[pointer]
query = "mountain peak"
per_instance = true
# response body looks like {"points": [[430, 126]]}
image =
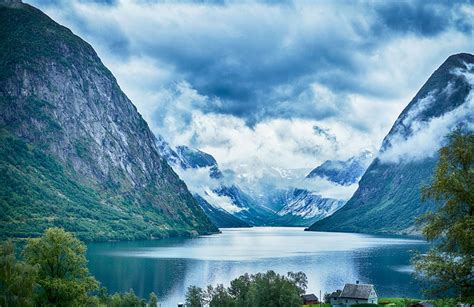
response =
{"points": [[80, 143], [458, 59], [12, 3], [388, 199]]}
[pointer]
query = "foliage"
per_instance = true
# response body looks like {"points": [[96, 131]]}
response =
{"points": [[127, 299], [63, 275], [261, 289], [17, 279], [37, 192], [448, 265], [55, 274], [153, 300], [397, 301], [449, 302], [194, 296], [219, 296]]}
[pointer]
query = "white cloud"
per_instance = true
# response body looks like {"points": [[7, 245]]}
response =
{"points": [[426, 138], [298, 65]]}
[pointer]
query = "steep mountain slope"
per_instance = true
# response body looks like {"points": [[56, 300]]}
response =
{"points": [[225, 205], [248, 210], [343, 172], [194, 158], [303, 208], [74, 151], [388, 197], [219, 216]]}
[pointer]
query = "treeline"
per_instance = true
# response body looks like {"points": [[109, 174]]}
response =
{"points": [[261, 289], [53, 271]]}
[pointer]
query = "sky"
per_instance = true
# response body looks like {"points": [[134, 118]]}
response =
{"points": [[269, 86]]}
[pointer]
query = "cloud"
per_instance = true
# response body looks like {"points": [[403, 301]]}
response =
{"points": [[426, 137], [248, 81], [266, 60]]}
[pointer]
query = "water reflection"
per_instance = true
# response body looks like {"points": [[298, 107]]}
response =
{"points": [[168, 267]]}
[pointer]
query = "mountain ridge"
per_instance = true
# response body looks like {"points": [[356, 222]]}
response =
{"points": [[388, 199], [66, 114]]}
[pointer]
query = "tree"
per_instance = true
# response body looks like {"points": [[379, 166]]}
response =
{"points": [[272, 289], [219, 297], [449, 264], [300, 280], [63, 275], [153, 299], [17, 279], [194, 297], [239, 288], [127, 299]]}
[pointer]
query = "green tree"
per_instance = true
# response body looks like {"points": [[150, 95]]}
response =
{"points": [[272, 289], [219, 297], [127, 299], [239, 288], [63, 275], [194, 296], [153, 299], [17, 279], [449, 264]]}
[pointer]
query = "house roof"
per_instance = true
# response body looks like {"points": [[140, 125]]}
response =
{"points": [[357, 291], [335, 294], [309, 297]]}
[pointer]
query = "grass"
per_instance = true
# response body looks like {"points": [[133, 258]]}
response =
{"points": [[397, 301]]}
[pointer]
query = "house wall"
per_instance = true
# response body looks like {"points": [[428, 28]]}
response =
{"points": [[350, 302], [373, 298]]}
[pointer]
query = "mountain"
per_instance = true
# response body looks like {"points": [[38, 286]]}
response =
{"points": [[343, 172], [220, 217], [248, 211], [225, 205], [388, 198], [303, 207], [194, 158], [74, 151]]}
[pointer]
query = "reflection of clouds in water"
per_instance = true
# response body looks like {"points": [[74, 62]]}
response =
{"points": [[329, 260], [403, 269], [263, 243]]}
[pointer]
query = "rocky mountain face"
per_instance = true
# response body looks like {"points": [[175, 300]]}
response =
{"points": [[224, 203], [248, 210], [343, 172], [219, 216], [388, 199], [302, 207], [194, 158], [74, 151]]}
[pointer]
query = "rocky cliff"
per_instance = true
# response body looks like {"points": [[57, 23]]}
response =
{"points": [[75, 152]]}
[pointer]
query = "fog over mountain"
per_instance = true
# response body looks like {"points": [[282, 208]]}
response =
{"points": [[265, 86]]}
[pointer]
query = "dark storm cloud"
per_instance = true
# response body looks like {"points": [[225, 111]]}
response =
{"points": [[262, 62], [424, 18]]}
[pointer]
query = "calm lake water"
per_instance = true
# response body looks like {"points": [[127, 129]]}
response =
{"points": [[169, 266]]}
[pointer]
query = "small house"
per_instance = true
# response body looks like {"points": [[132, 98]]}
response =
{"points": [[333, 298], [356, 294], [309, 299]]}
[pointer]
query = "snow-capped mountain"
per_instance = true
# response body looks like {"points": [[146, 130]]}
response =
{"points": [[303, 207], [343, 172], [225, 204], [194, 158]]}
